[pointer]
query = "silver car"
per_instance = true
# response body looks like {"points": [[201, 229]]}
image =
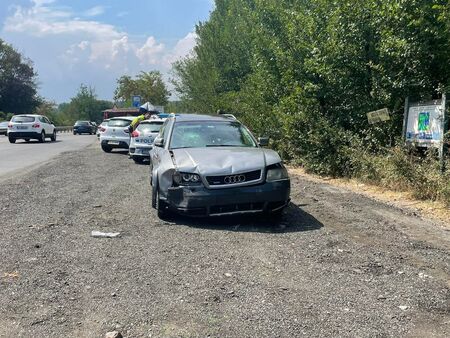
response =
{"points": [[212, 166], [142, 139]]}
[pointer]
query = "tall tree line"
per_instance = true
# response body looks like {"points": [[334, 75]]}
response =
{"points": [[306, 72]]}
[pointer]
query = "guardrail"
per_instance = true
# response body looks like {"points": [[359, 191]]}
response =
{"points": [[64, 129]]}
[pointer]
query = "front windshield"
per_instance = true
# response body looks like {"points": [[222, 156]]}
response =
{"points": [[201, 134]]}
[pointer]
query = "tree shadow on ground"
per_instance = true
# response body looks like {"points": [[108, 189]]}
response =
{"points": [[294, 219]]}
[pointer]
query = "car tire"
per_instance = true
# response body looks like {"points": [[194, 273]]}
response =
{"points": [[42, 138], [161, 207], [53, 137], [11, 139], [27, 140], [106, 149]]}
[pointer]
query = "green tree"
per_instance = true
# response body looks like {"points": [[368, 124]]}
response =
{"points": [[17, 81], [85, 106], [149, 85]]}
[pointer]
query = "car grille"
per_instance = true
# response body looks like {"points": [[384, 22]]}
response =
{"points": [[229, 208], [235, 178]]}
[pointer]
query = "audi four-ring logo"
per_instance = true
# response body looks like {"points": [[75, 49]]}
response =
{"points": [[234, 179]]}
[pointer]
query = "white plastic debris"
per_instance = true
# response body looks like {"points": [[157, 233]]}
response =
{"points": [[100, 234]]}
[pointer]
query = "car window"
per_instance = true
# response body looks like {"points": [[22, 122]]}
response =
{"points": [[82, 123], [22, 119], [47, 120], [150, 127], [119, 123], [200, 134], [163, 129]]}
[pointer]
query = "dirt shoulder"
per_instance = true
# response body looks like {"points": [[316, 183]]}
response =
{"points": [[401, 200], [337, 264]]}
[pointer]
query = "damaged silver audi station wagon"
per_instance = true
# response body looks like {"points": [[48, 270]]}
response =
{"points": [[211, 166]]}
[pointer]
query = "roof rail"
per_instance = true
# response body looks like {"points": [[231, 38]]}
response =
{"points": [[230, 116]]}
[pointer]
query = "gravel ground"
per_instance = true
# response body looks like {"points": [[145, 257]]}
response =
{"points": [[338, 264]]}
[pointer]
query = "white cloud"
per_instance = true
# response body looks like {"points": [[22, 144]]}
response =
{"points": [[150, 52], [94, 11], [182, 48]]}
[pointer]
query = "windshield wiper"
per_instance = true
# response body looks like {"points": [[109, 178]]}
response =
{"points": [[224, 145]]}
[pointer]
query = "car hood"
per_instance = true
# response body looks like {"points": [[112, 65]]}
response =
{"points": [[223, 160]]}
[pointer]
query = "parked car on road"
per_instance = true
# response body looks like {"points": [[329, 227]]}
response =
{"points": [[84, 127], [102, 127], [31, 127], [116, 134], [4, 128], [142, 139], [211, 166]]}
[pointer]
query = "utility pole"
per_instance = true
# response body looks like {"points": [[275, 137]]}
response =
{"points": [[443, 131]]}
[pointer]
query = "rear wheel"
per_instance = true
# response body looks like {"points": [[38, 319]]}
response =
{"points": [[42, 138], [11, 139], [53, 137], [106, 149], [27, 140]]}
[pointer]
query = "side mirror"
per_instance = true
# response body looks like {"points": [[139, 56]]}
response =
{"points": [[263, 141], [159, 142]]}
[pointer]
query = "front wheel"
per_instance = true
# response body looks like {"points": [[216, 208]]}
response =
{"points": [[138, 159], [161, 207], [11, 139], [53, 137]]}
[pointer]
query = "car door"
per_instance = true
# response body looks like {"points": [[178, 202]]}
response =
{"points": [[45, 125], [50, 125]]}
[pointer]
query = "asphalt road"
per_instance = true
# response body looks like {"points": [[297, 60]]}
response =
{"points": [[14, 158], [337, 265]]}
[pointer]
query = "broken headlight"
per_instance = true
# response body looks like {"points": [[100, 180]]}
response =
{"points": [[276, 172], [181, 178]]}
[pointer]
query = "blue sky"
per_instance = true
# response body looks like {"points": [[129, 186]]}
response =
{"points": [[94, 42]]}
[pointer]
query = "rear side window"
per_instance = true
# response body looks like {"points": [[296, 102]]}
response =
{"points": [[22, 119], [119, 123], [152, 127], [81, 123]]}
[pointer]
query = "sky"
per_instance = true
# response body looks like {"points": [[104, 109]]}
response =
{"points": [[74, 42]]}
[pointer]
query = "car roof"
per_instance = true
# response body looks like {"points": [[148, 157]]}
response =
{"points": [[198, 117], [154, 120], [131, 118], [34, 115]]}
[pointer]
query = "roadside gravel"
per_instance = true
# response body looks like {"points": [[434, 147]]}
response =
{"points": [[338, 264]]}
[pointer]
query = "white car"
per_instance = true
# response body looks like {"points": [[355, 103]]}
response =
{"points": [[30, 126], [116, 134], [142, 139]]}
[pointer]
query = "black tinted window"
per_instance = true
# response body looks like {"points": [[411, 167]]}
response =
{"points": [[22, 119], [152, 127], [81, 123], [119, 123]]}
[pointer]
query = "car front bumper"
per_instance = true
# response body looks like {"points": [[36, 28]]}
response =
{"points": [[200, 201]]}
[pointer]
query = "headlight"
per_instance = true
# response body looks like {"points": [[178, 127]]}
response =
{"points": [[276, 172], [186, 178]]}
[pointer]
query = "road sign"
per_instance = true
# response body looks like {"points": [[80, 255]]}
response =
{"points": [[378, 116], [136, 100]]}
